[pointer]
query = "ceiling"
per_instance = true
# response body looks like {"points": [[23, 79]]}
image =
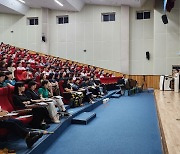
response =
{"points": [[69, 5], [52, 5]]}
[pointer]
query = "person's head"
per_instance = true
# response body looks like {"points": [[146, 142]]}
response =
{"points": [[2, 64], [51, 76], [42, 76], [45, 84], [57, 76], [28, 64], [19, 64], [77, 81], [9, 75], [19, 88], [10, 64], [32, 85], [2, 76]]}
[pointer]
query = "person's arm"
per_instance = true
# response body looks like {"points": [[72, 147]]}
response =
{"points": [[18, 103]]}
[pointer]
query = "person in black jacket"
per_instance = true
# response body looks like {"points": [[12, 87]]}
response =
{"points": [[18, 128], [21, 101], [35, 98]]}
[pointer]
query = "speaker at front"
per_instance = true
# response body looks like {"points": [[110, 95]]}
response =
{"points": [[147, 55], [165, 19]]}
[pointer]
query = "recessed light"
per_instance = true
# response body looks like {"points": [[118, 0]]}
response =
{"points": [[22, 1], [58, 2]]}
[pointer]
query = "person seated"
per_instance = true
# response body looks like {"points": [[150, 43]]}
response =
{"points": [[95, 89], [18, 128], [31, 60], [19, 66], [88, 97], [2, 80], [22, 102], [45, 93], [28, 66], [35, 98], [27, 76], [3, 66], [54, 84], [11, 68], [76, 94], [9, 79]]}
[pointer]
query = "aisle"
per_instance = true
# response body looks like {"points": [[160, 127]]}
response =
{"points": [[127, 125]]}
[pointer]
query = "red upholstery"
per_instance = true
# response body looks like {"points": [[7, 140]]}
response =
{"points": [[18, 74], [6, 105], [109, 80], [65, 101]]}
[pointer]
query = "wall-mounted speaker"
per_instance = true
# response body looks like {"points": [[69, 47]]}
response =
{"points": [[165, 19], [147, 55], [43, 38]]}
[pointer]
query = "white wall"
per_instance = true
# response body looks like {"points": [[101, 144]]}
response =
{"points": [[162, 41], [141, 40], [166, 40], [85, 31], [102, 40], [23, 35]]}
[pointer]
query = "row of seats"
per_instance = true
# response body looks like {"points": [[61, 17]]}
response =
{"points": [[7, 104]]}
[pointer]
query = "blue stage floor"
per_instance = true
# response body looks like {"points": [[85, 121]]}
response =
{"points": [[127, 125]]}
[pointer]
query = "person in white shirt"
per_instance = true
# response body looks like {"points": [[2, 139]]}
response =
{"points": [[19, 66]]}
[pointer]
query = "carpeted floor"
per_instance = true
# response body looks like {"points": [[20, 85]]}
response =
{"points": [[127, 125]]}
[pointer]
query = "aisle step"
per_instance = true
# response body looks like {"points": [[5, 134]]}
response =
{"points": [[84, 118]]}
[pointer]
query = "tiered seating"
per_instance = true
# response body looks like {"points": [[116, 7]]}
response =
{"points": [[40, 61]]}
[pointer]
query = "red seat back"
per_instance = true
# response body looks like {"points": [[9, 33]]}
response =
{"points": [[18, 74], [4, 103]]}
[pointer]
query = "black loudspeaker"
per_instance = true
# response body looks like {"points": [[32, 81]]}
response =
{"points": [[43, 38], [165, 19], [147, 55]]}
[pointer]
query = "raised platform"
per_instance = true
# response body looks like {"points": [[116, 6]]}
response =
{"points": [[84, 118]]}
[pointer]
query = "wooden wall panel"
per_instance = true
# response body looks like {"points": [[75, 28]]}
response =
{"points": [[152, 81]]}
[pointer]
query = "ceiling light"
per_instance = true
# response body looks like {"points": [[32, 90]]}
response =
{"points": [[22, 1], [58, 2]]}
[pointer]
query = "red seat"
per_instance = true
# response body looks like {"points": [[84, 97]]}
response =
{"points": [[66, 100], [6, 105], [109, 80], [18, 74]]}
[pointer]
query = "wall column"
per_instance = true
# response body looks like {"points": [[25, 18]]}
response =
{"points": [[124, 39], [45, 31]]}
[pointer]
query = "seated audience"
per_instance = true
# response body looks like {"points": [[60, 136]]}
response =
{"points": [[22, 102], [11, 68], [3, 66], [54, 84], [19, 129], [2, 80], [19, 66], [9, 79], [35, 98], [45, 93]]}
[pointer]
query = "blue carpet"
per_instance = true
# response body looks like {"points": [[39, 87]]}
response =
{"points": [[127, 125]]}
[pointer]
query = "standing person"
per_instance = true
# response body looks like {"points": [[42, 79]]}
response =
{"points": [[21, 101]]}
